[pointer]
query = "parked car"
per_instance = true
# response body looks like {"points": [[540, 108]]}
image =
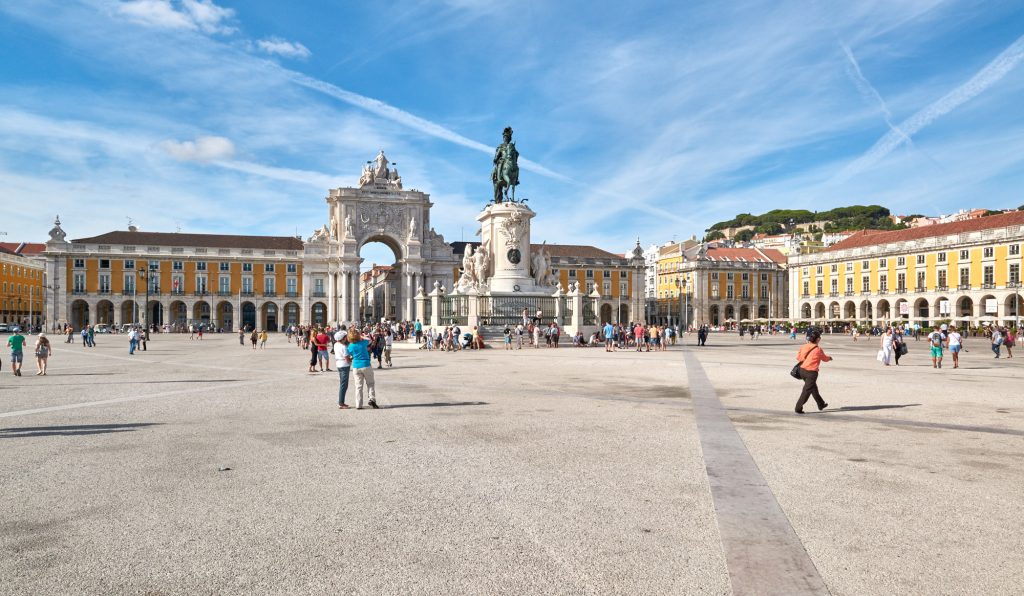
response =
{"points": [[4, 328], [101, 328]]}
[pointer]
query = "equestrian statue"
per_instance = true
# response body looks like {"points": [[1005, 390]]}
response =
{"points": [[505, 175]]}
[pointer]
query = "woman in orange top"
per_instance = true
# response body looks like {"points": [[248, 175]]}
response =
{"points": [[810, 358]]}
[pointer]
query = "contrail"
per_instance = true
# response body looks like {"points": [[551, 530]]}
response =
{"points": [[868, 91], [871, 94], [991, 74], [404, 118]]}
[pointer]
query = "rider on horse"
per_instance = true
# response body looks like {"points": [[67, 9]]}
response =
{"points": [[505, 175]]}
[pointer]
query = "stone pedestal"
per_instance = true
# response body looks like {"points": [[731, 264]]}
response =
{"points": [[505, 234]]}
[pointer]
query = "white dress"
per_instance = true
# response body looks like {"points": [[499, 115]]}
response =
{"points": [[886, 349]]}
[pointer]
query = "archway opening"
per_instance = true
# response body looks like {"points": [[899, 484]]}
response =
{"points": [[248, 316], [381, 292]]}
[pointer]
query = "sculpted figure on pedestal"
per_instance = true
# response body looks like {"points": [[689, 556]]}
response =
{"points": [[334, 227], [481, 262], [349, 232], [505, 175]]}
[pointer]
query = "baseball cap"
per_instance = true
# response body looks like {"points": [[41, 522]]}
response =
{"points": [[338, 336]]}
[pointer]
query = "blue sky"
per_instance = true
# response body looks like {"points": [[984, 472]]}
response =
{"points": [[639, 119]]}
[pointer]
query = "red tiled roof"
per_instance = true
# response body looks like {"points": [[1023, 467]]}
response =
{"points": [[23, 248], [200, 240], [872, 237], [750, 255]]}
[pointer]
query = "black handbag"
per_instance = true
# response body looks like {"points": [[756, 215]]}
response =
{"points": [[795, 373]]}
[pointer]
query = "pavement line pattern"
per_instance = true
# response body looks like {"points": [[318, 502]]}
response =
{"points": [[838, 415], [120, 400], [762, 551]]}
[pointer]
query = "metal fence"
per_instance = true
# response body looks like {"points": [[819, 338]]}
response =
{"points": [[454, 309], [508, 310], [567, 312], [589, 312], [428, 311]]}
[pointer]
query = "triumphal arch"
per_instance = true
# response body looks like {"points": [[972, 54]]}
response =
{"points": [[379, 209]]}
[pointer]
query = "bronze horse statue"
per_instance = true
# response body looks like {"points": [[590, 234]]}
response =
{"points": [[505, 175]]}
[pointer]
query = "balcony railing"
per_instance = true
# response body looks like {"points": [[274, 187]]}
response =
{"points": [[849, 293], [177, 292], [291, 294], [78, 292], [920, 289], [1013, 284], [988, 286], [316, 294], [270, 294], [105, 291], [941, 288], [805, 295], [224, 292], [901, 290], [818, 295], [833, 294], [248, 294], [964, 287]]}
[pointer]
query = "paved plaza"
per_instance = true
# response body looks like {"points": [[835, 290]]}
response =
{"points": [[209, 468]]}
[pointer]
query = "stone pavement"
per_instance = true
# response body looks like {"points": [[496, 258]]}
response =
{"points": [[535, 471]]}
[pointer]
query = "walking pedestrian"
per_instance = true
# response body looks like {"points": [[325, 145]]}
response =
{"points": [[241, 336], [16, 343], [263, 339], [885, 354], [997, 340], [810, 358], [254, 337], [388, 342], [897, 346], [936, 340], [43, 352], [953, 340], [1009, 341], [344, 364], [361, 368], [609, 335]]}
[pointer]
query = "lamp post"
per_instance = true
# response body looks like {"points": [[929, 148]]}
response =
{"points": [[686, 308], [144, 275]]}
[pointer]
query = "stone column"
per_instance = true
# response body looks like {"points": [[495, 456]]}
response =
{"points": [[92, 313], [421, 307], [435, 306], [559, 297], [410, 285], [345, 316], [353, 296], [576, 323], [332, 295], [304, 315], [473, 302]]}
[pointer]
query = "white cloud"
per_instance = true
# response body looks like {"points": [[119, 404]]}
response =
{"points": [[195, 15], [203, 149], [283, 47], [207, 16]]}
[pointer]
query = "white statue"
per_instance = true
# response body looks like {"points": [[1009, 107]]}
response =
{"points": [[480, 263], [334, 227], [367, 176], [412, 227], [350, 234], [540, 267], [319, 234], [380, 166], [467, 263]]}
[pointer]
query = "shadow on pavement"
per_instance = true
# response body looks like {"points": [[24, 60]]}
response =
{"points": [[438, 404], [150, 382], [72, 430], [865, 408]]}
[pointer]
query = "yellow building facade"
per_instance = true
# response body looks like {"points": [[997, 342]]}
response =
{"points": [[968, 272], [175, 280], [22, 281]]}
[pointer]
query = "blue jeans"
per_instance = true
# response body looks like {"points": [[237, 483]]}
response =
{"points": [[343, 386], [995, 349], [131, 346]]}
